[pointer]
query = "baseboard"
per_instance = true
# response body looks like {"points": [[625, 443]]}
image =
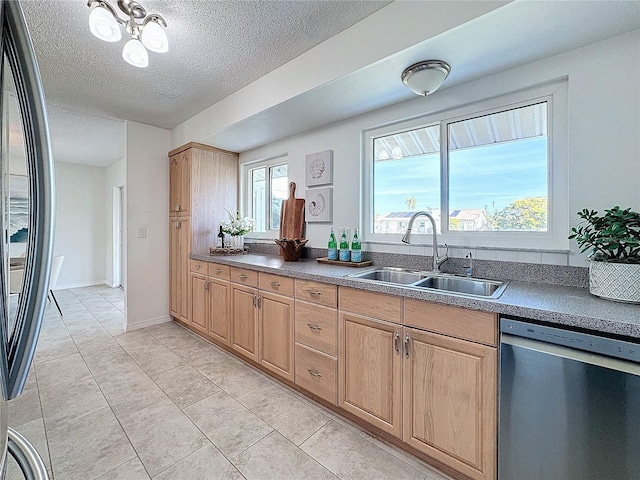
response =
{"points": [[147, 323], [67, 286]]}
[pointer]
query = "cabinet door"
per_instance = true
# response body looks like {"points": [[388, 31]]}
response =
{"points": [[175, 184], [244, 329], [276, 334], [450, 402], [179, 247], [220, 311], [371, 370], [199, 302]]}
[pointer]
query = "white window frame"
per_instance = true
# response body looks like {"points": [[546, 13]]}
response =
{"points": [[246, 190], [554, 239]]}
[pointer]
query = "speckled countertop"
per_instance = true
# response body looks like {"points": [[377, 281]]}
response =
{"points": [[555, 304]]}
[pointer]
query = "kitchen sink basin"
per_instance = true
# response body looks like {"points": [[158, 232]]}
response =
{"points": [[390, 275], [440, 282], [477, 287]]}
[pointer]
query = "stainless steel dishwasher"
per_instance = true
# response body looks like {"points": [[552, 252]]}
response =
{"points": [[569, 405]]}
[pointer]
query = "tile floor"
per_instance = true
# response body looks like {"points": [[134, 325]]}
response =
{"points": [[162, 403]]}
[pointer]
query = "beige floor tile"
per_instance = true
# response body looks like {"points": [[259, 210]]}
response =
{"points": [[112, 364], [69, 369], [131, 470], [88, 447], [34, 432], [57, 349], [274, 457], [207, 463], [65, 402], [228, 424], [162, 435], [130, 393], [293, 418], [97, 346], [136, 340], [25, 408], [185, 385], [200, 354], [156, 359], [352, 457], [233, 377]]}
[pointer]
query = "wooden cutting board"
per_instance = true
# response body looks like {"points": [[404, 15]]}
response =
{"points": [[292, 215]]}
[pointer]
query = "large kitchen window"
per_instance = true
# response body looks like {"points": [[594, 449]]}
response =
{"points": [[491, 174], [267, 187]]}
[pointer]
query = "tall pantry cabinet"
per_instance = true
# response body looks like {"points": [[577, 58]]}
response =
{"points": [[203, 187]]}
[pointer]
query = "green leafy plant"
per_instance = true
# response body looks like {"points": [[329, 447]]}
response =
{"points": [[613, 237]]}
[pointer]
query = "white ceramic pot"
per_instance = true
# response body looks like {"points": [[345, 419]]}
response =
{"points": [[615, 281]]}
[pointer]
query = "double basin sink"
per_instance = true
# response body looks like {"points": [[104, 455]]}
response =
{"points": [[440, 282]]}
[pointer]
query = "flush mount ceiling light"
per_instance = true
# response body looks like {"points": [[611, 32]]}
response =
{"points": [[145, 30], [424, 78]]}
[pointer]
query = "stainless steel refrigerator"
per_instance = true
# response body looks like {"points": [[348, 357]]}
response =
{"points": [[27, 210]]}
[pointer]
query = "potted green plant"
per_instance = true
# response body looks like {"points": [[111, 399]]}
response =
{"points": [[613, 240]]}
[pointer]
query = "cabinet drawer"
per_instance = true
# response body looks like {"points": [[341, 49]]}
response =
{"points": [[244, 276], [219, 271], [371, 304], [317, 292], [198, 266], [317, 373], [457, 322], [317, 327], [276, 284]]}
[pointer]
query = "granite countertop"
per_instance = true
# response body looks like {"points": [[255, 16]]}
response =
{"points": [[554, 304]]}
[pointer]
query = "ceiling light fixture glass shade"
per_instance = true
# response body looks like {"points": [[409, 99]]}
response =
{"points": [[146, 31], [424, 78], [154, 37], [103, 24], [135, 54]]}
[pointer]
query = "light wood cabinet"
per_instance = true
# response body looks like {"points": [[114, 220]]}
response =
{"points": [[202, 187], [244, 320], [317, 373], [179, 247], [220, 310], [200, 302], [450, 401], [276, 333], [371, 371]]}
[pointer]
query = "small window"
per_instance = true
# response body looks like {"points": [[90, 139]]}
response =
{"points": [[267, 188]]}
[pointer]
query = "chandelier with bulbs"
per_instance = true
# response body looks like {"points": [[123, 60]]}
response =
{"points": [[147, 32]]}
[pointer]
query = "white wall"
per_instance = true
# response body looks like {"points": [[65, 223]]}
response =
{"points": [[114, 177], [80, 231], [603, 150], [147, 200]]}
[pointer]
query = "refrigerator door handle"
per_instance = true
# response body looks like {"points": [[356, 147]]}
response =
{"points": [[26, 457], [19, 344]]}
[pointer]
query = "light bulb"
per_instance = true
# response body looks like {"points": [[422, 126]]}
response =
{"points": [[103, 25], [135, 54], [154, 37]]}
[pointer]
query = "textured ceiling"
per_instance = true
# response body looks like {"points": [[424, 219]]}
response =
{"points": [[215, 48]]}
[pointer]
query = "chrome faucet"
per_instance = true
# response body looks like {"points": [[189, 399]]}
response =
{"points": [[437, 260]]}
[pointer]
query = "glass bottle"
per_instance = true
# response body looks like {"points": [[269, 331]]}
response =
{"points": [[356, 248], [220, 241], [332, 247], [344, 247]]}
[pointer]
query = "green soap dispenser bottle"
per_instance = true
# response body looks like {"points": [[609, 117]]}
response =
{"points": [[344, 247], [356, 248]]}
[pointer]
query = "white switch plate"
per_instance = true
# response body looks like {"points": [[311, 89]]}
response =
{"points": [[142, 232]]}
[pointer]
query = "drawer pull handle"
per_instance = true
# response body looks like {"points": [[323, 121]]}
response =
{"points": [[206, 285], [406, 345], [218, 270], [314, 293], [177, 209], [274, 284], [314, 373], [396, 342], [242, 277], [198, 267], [177, 224], [315, 328]]}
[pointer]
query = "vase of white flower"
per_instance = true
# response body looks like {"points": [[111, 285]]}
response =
{"points": [[237, 227]]}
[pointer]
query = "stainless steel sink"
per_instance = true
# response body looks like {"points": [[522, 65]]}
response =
{"points": [[477, 287], [398, 276], [440, 282]]}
